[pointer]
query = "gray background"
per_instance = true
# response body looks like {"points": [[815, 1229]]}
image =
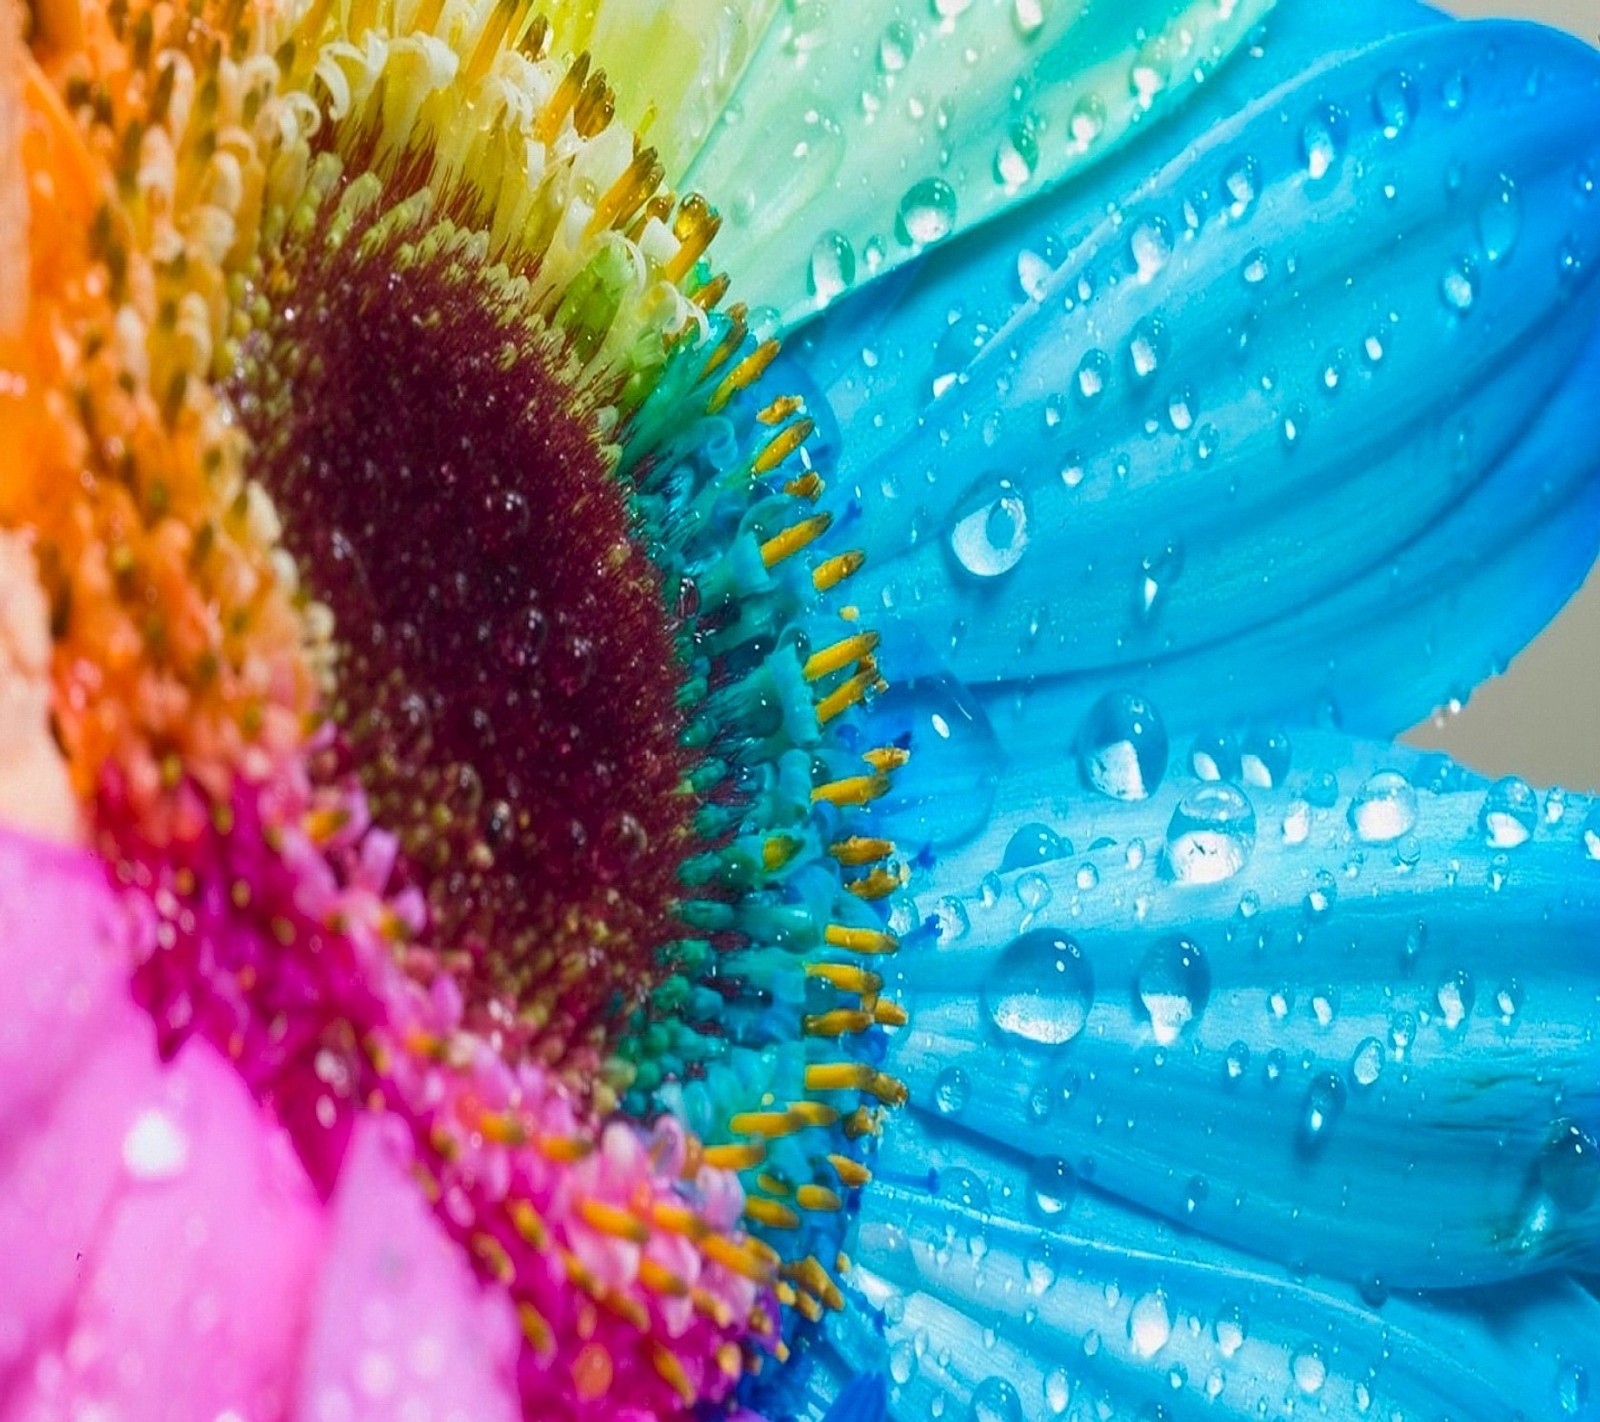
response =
{"points": [[1542, 718]]}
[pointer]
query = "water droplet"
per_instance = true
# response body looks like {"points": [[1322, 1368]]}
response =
{"points": [[927, 212], [1296, 822], [1459, 284], [1256, 268], [1210, 835], [1145, 348], [155, 1147], [895, 48], [1591, 833], [951, 1091], [1366, 1066], [832, 268], [1229, 1330], [1384, 808], [1094, 370], [1194, 1193], [1150, 247], [1214, 756], [1088, 121], [1264, 759], [1500, 220], [1122, 747], [1051, 1187], [954, 921], [1394, 103], [1455, 997], [1243, 183], [1237, 1062], [1040, 990], [990, 532], [1324, 1105], [1033, 844], [1322, 894], [1309, 1371], [995, 1400], [1173, 985], [1321, 140], [1028, 17], [1158, 571], [1057, 1392], [1016, 157], [1149, 1324], [1569, 1165], [1510, 813], [1572, 1388], [903, 1361]]}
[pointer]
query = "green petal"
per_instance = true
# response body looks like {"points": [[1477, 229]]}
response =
{"points": [[865, 131]]}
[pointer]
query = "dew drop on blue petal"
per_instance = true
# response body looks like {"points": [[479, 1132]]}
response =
{"points": [[1033, 844], [1145, 347], [1591, 834], [1569, 1166], [1455, 997], [1051, 1187], [1322, 895], [1394, 103], [1264, 759], [927, 212], [1309, 1370], [1210, 835], [1384, 808], [1122, 747], [1572, 1388], [1229, 1330], [989, 534], [1323, 1107], [1093, 372], [1150, 247], [1149, 1324], [1366, 1065], [1214, 756], [831, 270], [1243, 182], [1040, 990], [1459, 284], [1500, 220], [1173, 986], [1510, 813], [1256, 268], [995, 1400], [951, 1091], [953, 745], [1057, 1392], [1320, 141]]}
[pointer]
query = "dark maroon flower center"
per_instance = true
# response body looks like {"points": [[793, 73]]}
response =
{"points": [[507, 677]]}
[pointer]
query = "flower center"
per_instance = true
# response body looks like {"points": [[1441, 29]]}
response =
{"points": [[506, 679]]}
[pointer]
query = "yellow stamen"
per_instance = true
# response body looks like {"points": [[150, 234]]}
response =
{"points": [[859, 940], [818, 1197], [794, 538], [782, 445], [747, 372], [618, 1223], [829, 574], [852, 790], [840, 655], [772, 1213], [858, 850]]}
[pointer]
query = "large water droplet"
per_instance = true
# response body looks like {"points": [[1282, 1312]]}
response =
{"points": [[1150, 247], [1384, 808], [1510, 813], [1264, 759], [1210, 835], [943, 795], [1041, 989], [990, 532], [995, 1400], [1310, 1372], [927, 212], [1366, 1066], [1173, 985], [1122, 747]]}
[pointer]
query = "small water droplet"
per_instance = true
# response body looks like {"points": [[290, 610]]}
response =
{"points": [[1040, 990], [1309, 1371], [1033, 844], [990, 531], [927, 212], [832, 267], [1394, 103], [1384, 808], [1500, 220], [1264, 759], [1145, 348], [1094, 370], [1173, 985], [1243, 182], [951, 1091], [1229, 1330], [1322, 894], [1591, 833], [1321, 140], [1569, 1166], [1510, 813], [1572, 1388], [1366, 1066], [1088, 121], [1122, 747], [895, 48], [1210, 835], [1051, 1187], [1455, 997], [1150, 246], [1149, 1324], [1256, 268], [1324, 1105], [1016, 157], [995, 1400], [1459, 284], [1057, 1392], [1237, 1062], [155, 1147]]}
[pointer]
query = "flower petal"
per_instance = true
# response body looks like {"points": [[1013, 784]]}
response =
{"points": [[400, 1327], [1299, 369], [1349, 1023], [983, 1288], [865, 132]]}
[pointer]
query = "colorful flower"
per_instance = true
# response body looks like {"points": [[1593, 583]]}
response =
{"points": [[568, 860]]}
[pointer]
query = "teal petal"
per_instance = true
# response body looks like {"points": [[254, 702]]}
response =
{"points": [[990, 1291], [1349, 1022], [864, 132], [1300, 382]]}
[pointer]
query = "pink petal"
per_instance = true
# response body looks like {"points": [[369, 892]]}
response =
{"points": [[401, 1327]]}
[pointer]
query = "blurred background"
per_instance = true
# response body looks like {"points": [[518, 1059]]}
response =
{"points": [[1541, 719]]}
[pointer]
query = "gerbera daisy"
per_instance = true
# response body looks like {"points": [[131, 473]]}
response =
{"points": [[683, 687]]}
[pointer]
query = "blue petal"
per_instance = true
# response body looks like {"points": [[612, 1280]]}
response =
{"points": [[1300, 376], [990, 1292], [1350, 1022]]}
